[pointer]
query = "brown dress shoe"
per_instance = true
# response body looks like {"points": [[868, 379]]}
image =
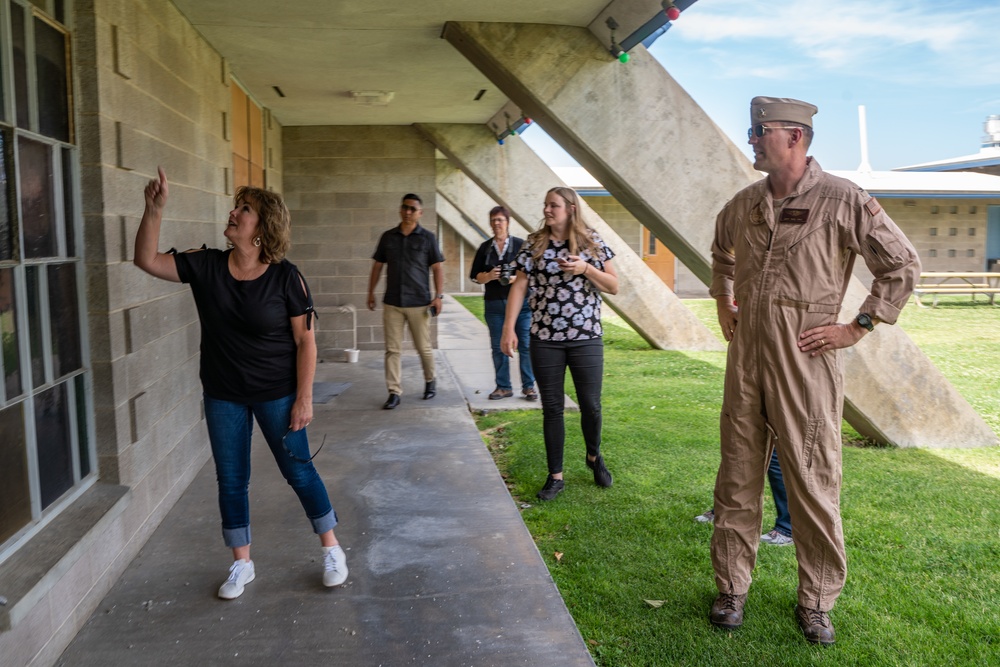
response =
{"points": [[816, 625], [727, 611]]}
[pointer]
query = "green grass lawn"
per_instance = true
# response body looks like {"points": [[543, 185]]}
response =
{"points": [[922, 526]]}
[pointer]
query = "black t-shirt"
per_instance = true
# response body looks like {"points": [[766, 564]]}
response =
{"points": [[487, 257], [248, 352], [407, 259]]}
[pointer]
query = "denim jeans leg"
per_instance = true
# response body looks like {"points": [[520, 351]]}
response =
{"points": [[230, 428], [494, 311], [523, 329], [586, 364], [783, 520], [273, 418], [549, 363]]}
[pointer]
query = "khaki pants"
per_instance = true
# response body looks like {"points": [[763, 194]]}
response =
{"points": [[419, 321]]}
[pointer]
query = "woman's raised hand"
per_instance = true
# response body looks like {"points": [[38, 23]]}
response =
{"points": [[157, 191]]}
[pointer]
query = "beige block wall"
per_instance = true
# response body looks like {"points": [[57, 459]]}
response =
{"points": [[458, 254], [948, 234], [343, 186], [149, 91]]}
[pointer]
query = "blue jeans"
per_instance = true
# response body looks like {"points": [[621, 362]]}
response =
{"points": [[783, 520], [495, 311], [230, 427], [585, 360]]}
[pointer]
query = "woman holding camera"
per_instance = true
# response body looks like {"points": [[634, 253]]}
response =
{"points": [[493, 268], [563, 268]]}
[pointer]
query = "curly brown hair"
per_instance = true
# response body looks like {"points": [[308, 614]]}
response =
{"points": [[274, 225]]}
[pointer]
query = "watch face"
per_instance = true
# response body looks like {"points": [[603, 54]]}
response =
{"points": [[866, 321]]}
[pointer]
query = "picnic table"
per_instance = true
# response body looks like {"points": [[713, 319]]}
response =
{"points": [[936, 283]]}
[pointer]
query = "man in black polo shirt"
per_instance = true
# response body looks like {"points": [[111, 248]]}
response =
{"points": [[408, 250]]}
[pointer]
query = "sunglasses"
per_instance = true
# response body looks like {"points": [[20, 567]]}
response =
{"points": [[293, 456], [759, 130], [409, 209]]}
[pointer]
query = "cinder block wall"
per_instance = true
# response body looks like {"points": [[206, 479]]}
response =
{"points": [[148, 91], [929, 223], [458, 261], [343, 186], [955, 229]]}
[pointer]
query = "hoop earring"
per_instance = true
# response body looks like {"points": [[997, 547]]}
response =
{"points": [[256, 241]]}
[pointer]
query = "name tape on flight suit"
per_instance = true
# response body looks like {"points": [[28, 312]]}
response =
{"points": [[797, 216]]}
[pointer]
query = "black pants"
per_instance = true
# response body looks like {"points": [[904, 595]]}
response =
{"points": [[585, 359]]}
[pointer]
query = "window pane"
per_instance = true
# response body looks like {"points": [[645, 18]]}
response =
{"points": [[8, 335], [15, 494], [55, 457], [7, 201], [35, 326], [81, 425], [50, 73], [63, 315], [20, 64], [37, 207], [68, 202]]}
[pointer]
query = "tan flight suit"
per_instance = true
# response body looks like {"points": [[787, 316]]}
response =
{"points": [[788, 272]]}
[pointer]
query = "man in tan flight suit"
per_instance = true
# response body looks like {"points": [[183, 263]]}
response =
{"points": [[782, 257]]}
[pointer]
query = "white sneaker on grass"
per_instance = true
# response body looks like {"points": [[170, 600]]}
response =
{"points": [[241, 573], [776, 539], [334, 566], [707, 517]]}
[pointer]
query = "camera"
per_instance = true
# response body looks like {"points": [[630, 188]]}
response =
{"points": [[506, 271]]}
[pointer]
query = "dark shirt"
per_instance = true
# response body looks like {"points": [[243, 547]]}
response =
{"points": [[407, 259], [487, 258], [564, 306], [248, 352]]}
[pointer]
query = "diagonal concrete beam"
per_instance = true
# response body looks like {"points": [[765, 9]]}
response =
{"points": [[661, 156], [471, 201], [515, 175], [454, 218]]}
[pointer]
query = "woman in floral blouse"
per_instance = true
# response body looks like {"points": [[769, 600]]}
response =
{"points": [[562, 269]]}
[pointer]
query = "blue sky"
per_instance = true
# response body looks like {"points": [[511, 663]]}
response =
{"points": [[927, 72]]}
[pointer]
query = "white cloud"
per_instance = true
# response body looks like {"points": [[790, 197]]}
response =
{"points": [[952, 42]]}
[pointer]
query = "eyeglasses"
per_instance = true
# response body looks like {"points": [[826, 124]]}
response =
{"points": [[759, 130], [408, 208], [293, 456]]}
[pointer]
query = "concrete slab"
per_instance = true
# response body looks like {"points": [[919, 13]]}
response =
{"points": [[442, 569], [464, 341], [643, 137]]}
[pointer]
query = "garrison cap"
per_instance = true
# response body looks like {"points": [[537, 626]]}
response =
{"points": [[764, 109]]}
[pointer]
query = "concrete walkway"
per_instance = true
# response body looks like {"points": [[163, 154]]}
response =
{"points": [[442, 569]]}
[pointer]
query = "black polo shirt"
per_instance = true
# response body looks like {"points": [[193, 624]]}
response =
{"points": [[408, 259]]}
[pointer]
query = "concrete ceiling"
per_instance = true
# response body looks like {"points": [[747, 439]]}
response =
{"points": [[318, 51]]}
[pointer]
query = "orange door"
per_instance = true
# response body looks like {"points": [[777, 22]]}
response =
{"points": [[658, 258]]}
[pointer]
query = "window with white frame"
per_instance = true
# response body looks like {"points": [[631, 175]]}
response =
{"points": [[46, 436]]}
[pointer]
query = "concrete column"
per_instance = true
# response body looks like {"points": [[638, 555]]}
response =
{"points": [[516, 176], [658, 153]]}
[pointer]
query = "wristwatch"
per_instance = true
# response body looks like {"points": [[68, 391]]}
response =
{"points": [[865, 320], [441, 296]]}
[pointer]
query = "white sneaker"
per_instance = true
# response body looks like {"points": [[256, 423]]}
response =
{"points": [[334, 566], [241, 573], [707, 517], [774, 538]]}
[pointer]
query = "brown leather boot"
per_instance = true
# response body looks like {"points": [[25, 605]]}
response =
{"points": [[727, 611], [816, 625]]}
